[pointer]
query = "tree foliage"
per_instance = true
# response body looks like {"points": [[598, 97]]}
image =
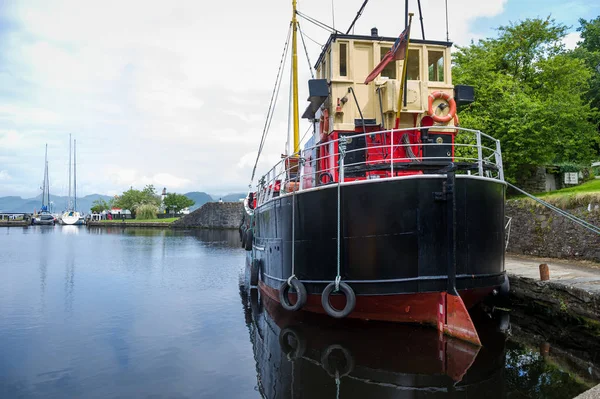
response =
{"points": [[146, 211], [100, 205], [132, 199], [529, 93], [176, 202]]}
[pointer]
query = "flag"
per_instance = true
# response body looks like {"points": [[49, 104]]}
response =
{"points": [[397, 52]]}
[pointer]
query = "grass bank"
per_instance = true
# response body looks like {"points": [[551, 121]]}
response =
{"points": [[570, 197], [165, 220]]}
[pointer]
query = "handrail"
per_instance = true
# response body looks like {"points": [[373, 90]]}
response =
{"points": [[474, 155]]}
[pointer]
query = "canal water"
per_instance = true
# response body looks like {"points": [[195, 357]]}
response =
{"points": [[142, 313]]}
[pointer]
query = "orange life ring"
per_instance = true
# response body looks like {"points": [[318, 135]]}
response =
{"points": [[441, 119]]}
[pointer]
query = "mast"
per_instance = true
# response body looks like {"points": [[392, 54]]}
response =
{"points": [[47, 180], [69, 203], [44, 185], [75, 174], [295, 78]]}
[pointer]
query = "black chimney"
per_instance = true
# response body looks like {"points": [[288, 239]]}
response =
{"points": [[374, 32]]}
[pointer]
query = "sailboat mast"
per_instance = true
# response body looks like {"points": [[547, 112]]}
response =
{"points": [[69, 204], [75, 174], [47, 180], [295, 78], [45, 177]]}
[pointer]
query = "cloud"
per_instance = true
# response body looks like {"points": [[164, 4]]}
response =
{"points": [[170, 94], [570, 41], [4, 175]]}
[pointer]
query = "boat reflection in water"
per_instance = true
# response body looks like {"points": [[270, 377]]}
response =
{"points": [[305, 355]]}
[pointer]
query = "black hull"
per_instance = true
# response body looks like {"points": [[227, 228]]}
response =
{"points": [[394, 236]]}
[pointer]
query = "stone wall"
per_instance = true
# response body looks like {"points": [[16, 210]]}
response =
{"points": [[213, 215], [538, 231]]}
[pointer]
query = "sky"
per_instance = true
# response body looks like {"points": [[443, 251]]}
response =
{"points": [[175, 93]]}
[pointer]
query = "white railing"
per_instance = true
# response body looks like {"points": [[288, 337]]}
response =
{"points": [[473, 152]]}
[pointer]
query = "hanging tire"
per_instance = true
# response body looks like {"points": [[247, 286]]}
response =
{"points": [[350, 300], [243, 239], [254, 270], [504, 289], [241, 231], [333, 371], [292, 352], [248, 240], [301, 295]]}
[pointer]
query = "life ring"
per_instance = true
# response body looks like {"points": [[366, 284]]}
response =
{"points": [[292, 352], [325, 178], [301, 295], [350, 300], [444, 96], [248, 239], [333, 371]]}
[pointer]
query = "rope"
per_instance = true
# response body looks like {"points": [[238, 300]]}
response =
{"points": [[274, 97], [508, 226], [342, 150], [337, 384], [318, 23], [306, 52], [293, 238], [573, 218]]}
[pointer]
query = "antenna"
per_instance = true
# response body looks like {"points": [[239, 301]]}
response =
{"points": [[447, 35], [332, 15]]}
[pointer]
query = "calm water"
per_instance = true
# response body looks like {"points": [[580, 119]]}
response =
{"points": [[134, 313]]}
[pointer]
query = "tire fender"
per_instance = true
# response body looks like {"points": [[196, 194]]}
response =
{"points": [[301, 295], [350, 300]]}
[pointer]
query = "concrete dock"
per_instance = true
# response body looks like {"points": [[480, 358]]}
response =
{"points": [[582, 275], [569, 302]]}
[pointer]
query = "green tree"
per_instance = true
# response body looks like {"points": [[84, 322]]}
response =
{"points": [[100, 205], [529, 94], [132, 199], [175, 202], [588, 50]]}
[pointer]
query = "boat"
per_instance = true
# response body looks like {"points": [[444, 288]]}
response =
{"points": [[71, 216], [391, 210], [44, 217], [302, 355]]}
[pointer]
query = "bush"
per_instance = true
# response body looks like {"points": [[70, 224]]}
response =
{"points": [[146, 211]]}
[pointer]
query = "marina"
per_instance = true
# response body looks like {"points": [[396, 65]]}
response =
{"points": [[109, 325], [416, 215]]}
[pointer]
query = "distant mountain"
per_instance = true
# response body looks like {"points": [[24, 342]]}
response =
{"points": [[234, 197], [199, 198], [18, 204]]}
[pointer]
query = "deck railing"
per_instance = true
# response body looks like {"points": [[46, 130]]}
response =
{"points": [[473, 153]]}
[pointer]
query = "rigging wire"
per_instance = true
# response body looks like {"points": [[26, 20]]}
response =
{"points": [[318, 23], [358, 14], [306, 51], [314, 41], [274, 96], [569, 216]]}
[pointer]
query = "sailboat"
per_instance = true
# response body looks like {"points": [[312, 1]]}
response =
{"points": [[44, 217], [391, 211], [71, 216]]}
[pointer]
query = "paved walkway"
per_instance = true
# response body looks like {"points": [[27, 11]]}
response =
{"points": [[582, 275]]}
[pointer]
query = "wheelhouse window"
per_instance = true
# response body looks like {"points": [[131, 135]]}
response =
{"points": [[436, 66], [390, 69], [343, 59], [413, 65]]}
